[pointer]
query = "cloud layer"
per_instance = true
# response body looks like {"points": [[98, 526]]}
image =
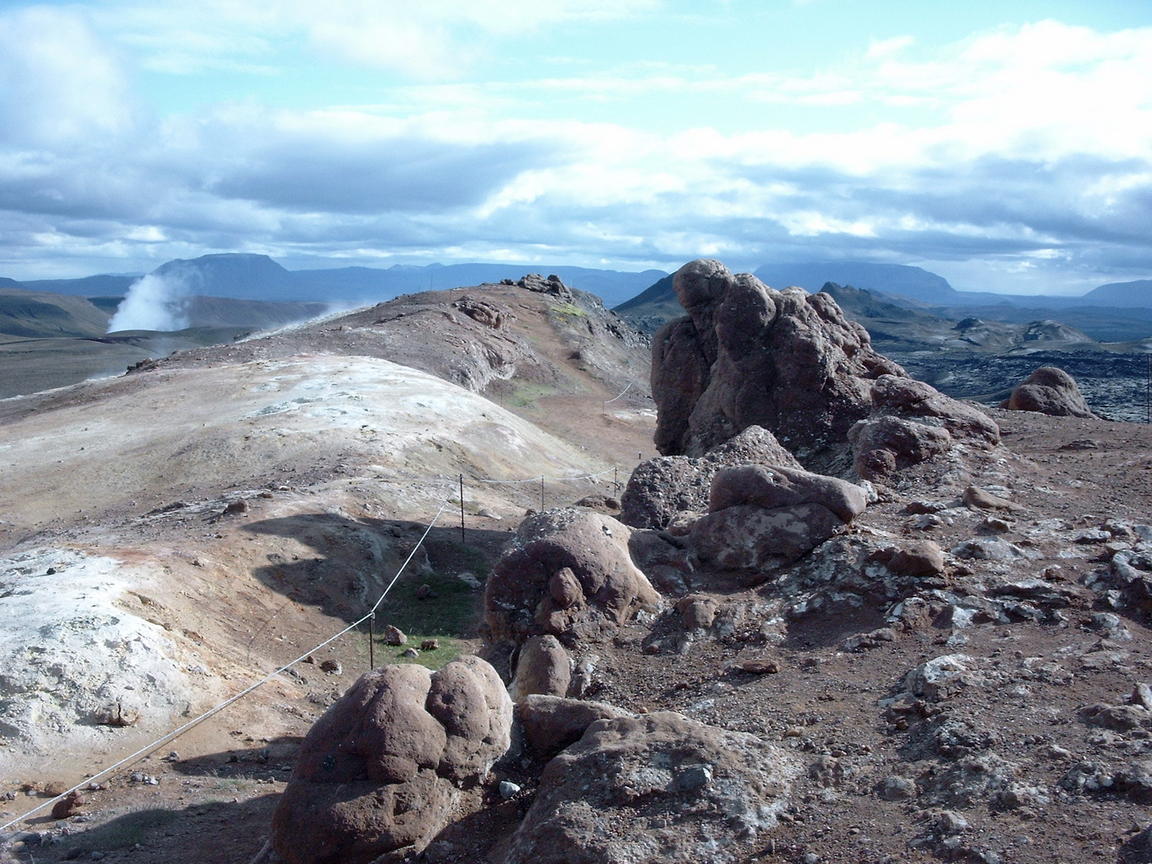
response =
{"points": [[1026, 149]]}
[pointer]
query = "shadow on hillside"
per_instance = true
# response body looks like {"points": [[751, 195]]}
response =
{"points": [[252, 761], [219, 831], [355, 559], [831, 625]]}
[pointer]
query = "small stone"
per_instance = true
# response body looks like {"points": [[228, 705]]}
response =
{"points": [[693, 777], [949, 822], [896, 789], [425, 592], [235, 508], [1142, 695], [429, 644], [410, 652], [332, 667], [470, 579], [508, 790], [394, 635], [921, 507], [66, 806], [982, 499], [757, 667]]}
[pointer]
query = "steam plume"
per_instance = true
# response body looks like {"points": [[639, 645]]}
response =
{"points": [[155, 302]]}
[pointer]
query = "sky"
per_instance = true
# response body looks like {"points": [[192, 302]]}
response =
{"points": [[1006, 146]]}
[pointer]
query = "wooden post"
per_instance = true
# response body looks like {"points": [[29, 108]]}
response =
{"points": [[541, 493], [461, 508], [371, 642]]}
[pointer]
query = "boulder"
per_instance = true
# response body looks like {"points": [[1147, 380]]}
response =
{"points": [[774, 488], [912, 422], [914, 558], [1049, 390], [658, 787], [377, 776], [551, 723], [567, 573], [747, 355], [763, 518], [662, 487], [543, 667]]}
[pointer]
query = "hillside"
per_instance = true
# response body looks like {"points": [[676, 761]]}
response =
{"points": [[31, 314], [1138, 293], [118, 486]]}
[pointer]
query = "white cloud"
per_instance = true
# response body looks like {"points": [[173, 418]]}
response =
{"points": [[431, 39], [58, 82], [888, 47], [1001, 159]]}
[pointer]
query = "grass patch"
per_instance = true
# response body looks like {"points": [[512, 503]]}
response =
{"points": [[525, 394], [568, 310], [449, 617]]}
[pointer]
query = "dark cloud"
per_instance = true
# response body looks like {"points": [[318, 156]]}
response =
{"points": [[407, 175]]}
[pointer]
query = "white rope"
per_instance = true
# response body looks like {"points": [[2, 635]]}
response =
{"points": [[216, 709], [621, 393]]}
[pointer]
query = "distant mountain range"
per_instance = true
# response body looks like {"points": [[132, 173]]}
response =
{"points": [[258, 277], [649, 292], [1119, 312]]}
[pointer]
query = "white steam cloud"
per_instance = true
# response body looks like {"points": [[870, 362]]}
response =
{"points": [[156, 302]]}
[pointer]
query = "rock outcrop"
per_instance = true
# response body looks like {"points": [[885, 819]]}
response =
{"points": [[1049, 390], [762, 518], [791, 362], [748, 355], [658, 787], [662, 487], [378, 774], [568, 573]]}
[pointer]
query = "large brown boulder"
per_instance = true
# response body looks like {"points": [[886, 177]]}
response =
{"points": [[378, 774], [747, 355], [763, 518], [912, 422], [543, 667], [662, 487], [658, 787], [1049, 390], [567, 573]]}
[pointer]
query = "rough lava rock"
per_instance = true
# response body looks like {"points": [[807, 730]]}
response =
{"points": [[543, 666], [1049, 390], [662, 487], [761, 518], [567, 573], [378, 774], [912, 422], [748, 355], [551, 723], [658, 787]]}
